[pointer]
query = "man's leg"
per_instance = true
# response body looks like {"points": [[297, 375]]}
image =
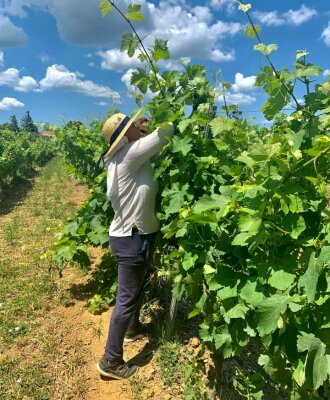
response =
{"points": [[131, 279], [133, 254], [147, 253]]}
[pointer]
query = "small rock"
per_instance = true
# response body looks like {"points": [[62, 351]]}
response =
{"points": [[194, 342], [150, 374], [149, 393]]}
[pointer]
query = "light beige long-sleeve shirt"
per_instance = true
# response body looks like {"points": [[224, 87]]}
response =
{"points": [[130, 184]]}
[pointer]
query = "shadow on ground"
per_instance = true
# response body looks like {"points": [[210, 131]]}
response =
{"points": [[14, 194]]}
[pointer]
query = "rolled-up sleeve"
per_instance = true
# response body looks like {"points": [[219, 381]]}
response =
{"points": [[145, 148]]}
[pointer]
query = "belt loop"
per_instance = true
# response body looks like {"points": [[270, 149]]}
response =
{"points": [[134, 229]]}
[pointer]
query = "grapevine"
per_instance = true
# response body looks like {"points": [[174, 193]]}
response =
{"points": [[245, 213]]}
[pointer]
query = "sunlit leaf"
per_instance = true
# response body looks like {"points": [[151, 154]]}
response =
{"points": [[265, 49], [134, 13], [250, 32], [244, 7], [105, 7]]}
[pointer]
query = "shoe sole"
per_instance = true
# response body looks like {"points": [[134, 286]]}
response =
{"points": [[134, 339], [110, 374]]}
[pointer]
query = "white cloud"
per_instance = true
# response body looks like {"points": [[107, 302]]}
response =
{"points": [[298, 17], [217, 55], [10, 34], [78, 22], [237, 98], [175, 65], [116, 60], [204, 14], [244, 84], [326, 73], [81, 23], [7, 103], [190, 31], [291, 17], [102, 103], [190, 35], [59, 77], [17, 7], [44, 57], [2, 59], [126, 79], [11, 78], [26, 84], [326, 35], [229, 5], [239, 92], [269, 18]]}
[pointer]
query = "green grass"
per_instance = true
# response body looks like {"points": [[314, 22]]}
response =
{"points": [[27, 288], [171, 364], [24, 380], [10, 231]]}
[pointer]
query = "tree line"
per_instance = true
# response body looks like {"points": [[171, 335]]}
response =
{"points": [[26, 125]]}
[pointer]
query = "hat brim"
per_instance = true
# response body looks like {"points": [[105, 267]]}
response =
{"points": [[122, 134]]}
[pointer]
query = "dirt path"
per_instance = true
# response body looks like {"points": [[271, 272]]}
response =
{"points": [[90, 332], [49, 341]]}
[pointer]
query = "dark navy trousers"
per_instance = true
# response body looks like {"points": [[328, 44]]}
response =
{"points": [[134, 254]]}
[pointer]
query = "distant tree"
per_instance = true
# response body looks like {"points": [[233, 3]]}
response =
{"points": [[13, 125], [27, 124], [73, 124], [5, 126]]}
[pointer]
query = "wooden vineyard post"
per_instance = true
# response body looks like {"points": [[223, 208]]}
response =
{"points": [[172, 317]]}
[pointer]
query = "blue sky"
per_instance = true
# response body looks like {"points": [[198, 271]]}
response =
{"points": [[60, 59]]}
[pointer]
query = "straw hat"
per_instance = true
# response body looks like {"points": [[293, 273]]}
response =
{"points": [[115, 128]]}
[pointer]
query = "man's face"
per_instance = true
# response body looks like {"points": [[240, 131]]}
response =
{"points": [[133, 133]]}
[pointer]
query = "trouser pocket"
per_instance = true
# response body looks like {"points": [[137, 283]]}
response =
{"points": [[136, 245]]}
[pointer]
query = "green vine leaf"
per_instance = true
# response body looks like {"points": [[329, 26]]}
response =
{"points": [[301, 53], [310, 278], [129, 43], [265, 50], [182, 145], [306, 70], [189, 261], [134, 13], [160, 50], [317, 365], [140, 79], [250, 294], [244, 7], [250, 32], [105, 7], [269, 312], [281, 280], [220, 124]]}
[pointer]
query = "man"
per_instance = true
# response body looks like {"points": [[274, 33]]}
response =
{"points": [[132, 191]]}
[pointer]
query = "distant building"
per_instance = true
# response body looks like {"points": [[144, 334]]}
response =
{"points": [[47, 134]]}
